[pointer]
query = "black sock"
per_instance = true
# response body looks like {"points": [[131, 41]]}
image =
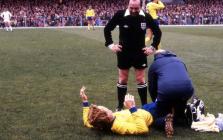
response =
{"points": [[121, 90], [142, 90]]}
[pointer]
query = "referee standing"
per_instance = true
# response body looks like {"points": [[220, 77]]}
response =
{"points": [[131, 50]]}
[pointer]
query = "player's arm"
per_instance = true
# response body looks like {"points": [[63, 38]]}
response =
{"points": [[10, 15], [110, 27], [86, 14], [158, 6], [149, 35], [93, 14], [85, 115], [147, 7], [85, 107], [156, 31]]}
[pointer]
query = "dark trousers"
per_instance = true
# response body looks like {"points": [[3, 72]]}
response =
{"points": [[160, 109], [171, 99]]}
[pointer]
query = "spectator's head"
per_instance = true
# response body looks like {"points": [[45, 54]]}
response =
{"points": [[134, 7], [100, 117]]}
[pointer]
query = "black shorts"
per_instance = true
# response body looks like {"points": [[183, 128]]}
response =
{"points": [[127, 60], [156, 22]]}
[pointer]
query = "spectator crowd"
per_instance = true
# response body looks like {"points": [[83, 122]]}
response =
{"points": [[43, 13], [193, 12]]}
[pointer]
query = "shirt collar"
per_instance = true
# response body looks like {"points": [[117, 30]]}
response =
{"points": [[127, 13]]}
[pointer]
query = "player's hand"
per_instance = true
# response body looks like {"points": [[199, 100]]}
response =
{"points": [[115, 48], [83, 95], [129, 101], [148, 50]]}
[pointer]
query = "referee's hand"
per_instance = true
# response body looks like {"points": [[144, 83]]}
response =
{"points": [[115, 48]]}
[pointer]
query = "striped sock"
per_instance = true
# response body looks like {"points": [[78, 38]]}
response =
{"points": [[121, 91], [142, 91]]}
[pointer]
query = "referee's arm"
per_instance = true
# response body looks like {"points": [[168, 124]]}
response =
{"points": [[156, 31], [110, 27]]}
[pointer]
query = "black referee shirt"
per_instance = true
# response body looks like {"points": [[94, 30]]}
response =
{"points": [[132, 30]]}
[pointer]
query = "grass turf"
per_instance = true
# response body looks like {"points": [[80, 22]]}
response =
{"points": [[42, 71]]}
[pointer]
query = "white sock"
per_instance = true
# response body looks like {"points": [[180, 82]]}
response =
{"points": [[7, 29]]}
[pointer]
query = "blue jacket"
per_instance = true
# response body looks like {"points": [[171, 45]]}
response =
{"points": [[168, 78]]}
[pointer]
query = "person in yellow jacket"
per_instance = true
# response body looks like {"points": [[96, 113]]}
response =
{"points": [[90, 14], [131, 121], [152, 8]]}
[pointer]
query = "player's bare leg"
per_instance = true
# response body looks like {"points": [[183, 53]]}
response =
{"points": [[9, 26], [93, 22], [6, 26], [89, 25]]}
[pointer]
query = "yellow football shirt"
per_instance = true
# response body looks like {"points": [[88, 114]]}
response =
{"points": [[152, 8], [126, 122], [90, 13]]}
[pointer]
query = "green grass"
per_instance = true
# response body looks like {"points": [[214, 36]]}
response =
{"points": [[41, 72]]}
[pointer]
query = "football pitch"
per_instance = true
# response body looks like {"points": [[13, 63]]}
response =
{"points": [[42, 70]]}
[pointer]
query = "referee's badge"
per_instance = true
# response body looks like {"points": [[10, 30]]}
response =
{"points": [[143, 25]]}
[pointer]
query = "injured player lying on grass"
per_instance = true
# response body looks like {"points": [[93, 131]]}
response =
{"points": [[131, 121]]}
